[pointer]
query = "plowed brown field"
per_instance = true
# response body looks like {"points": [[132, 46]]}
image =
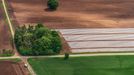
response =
{"points": [[76, 13], [11, 68]]}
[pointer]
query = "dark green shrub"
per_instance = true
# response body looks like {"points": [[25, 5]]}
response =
{"points": [[52, 4], [66, 56], [56, 46]]}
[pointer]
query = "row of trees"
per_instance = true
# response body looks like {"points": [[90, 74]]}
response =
{"points": [[6, 52], [37, 40]]}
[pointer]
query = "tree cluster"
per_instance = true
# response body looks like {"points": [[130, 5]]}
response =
{"points": [[37, 40]]}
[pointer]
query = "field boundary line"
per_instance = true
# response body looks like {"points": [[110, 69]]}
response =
{"points": [[13, 57], [81, 55], [8, 19]]}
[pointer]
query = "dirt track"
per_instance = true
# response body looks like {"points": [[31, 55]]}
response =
{"points": [[5, 40], [76, 13]]}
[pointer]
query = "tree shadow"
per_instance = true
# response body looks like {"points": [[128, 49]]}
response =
{"points": [[49, 10]]}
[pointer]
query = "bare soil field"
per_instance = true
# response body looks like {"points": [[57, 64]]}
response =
{"points": [[11, 68], [5, 36], [76, 13]]}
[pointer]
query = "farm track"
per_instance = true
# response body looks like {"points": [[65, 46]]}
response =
{"points": [[12, 33], [5, 35]]}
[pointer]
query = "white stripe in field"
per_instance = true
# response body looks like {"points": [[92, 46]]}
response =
{"points": [[89, 31], [95, 40], [90, 44], [103, 50], [99, 37]]}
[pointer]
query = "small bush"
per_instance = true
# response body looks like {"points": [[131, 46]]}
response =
{"points": [[66, 56], [52, 4]]}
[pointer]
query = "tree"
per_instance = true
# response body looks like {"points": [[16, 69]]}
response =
{"points": [[39, 25], [66, 56], [52, 4], [42, 46], [30, 29], [42, 32], [57, 45]]}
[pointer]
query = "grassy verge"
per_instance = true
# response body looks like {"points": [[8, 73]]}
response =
{"points": [[13, 59], [6, 55], [101, 65]]}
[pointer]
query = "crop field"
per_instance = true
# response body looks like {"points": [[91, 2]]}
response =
{"points": [[11, 68], [76, 13], [96, 65], [5, 36], [99, 40]]}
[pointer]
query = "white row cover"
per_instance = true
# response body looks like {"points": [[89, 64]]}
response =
{"points": [[94, 31], [99, 40]]}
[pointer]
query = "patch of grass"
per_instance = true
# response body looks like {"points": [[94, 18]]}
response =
{"points": [[13, 59], [100, 65], [6, 55]]}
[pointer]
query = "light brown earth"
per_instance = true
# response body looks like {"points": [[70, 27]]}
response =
{"points": [[76, 13]]}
